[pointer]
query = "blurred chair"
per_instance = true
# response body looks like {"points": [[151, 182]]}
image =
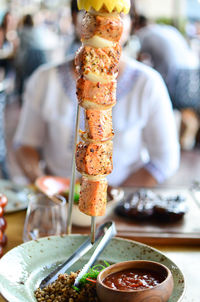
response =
{"points": [[3, 163], [186, 96], [186, 89]]}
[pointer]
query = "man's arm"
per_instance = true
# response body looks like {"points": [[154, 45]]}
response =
{"points": [[141, 178], [160, 133], [30, 134], [159, 136], [29, 161]]}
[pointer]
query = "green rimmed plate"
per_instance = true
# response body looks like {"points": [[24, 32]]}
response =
{"points": [[23, 268]]}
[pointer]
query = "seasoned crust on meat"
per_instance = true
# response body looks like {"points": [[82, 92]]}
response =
{"points": [[98, 124], [94, 94], [93, 158], [103, 62], [110, 27]]}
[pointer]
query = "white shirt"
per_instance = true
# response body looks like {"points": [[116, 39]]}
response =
{"points": [[142, 120]]}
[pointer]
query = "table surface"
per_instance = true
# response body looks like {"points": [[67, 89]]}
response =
{"points": [[187, 258]]}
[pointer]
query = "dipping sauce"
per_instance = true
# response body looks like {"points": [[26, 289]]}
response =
{"points": [[133, 279]]}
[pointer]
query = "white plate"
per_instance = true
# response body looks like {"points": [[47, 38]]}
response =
{"points": [[16, 194], [23, 268]]}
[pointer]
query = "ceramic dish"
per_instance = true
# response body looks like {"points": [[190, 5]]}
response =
{"points": [[16, 194], [23, 268]]}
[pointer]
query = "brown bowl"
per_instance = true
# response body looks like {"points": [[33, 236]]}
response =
{"points": [[158, 293]]}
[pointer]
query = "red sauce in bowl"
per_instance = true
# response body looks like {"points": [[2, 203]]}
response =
{"points": [[133, 279]]}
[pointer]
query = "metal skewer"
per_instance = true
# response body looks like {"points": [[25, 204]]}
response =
{"points": [[73, 175], [93, 229], [72, 184]]}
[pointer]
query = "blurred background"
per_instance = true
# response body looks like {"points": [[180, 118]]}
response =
{"points": [[51, 40]]}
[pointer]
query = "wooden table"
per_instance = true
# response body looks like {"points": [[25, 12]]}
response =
{"points": [[186, 257]]}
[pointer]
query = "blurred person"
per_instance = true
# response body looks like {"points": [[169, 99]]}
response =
{"points": [[166, 50], [76, 21], [170, 54], [2, 37], [8, 41], [4, 173], [64, 22], [48, 35], [8, 25], [132, 45], [197, 26], [146, 149], [29, 54]]}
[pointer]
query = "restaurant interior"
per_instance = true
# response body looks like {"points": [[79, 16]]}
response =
{"points": [[99, 137]]}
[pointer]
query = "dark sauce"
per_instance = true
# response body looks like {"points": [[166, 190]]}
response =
{"points": [[133, 279]]}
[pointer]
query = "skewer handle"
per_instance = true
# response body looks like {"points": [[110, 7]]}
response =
{"points": [[73, 176]]}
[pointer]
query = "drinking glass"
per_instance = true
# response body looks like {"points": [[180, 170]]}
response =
{"points": [[45, 217]]}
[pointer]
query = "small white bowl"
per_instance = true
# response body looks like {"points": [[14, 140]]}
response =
{"points": [[80, 219]]}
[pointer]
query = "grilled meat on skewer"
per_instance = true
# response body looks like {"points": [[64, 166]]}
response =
{"points": [[94, 158], [97, 65], [96, 95], [93, 196]]}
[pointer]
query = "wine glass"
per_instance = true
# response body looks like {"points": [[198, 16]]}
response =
{"points": [[45, 217]]}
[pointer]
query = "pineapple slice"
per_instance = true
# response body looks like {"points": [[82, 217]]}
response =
{"points": [[121, 6]]}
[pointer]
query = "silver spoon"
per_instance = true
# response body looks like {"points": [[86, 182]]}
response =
{"points": [[82, 250]]}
